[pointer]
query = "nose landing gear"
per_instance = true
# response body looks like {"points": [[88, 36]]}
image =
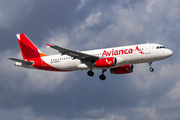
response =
{"points": [[150, 65], [151, 69]]}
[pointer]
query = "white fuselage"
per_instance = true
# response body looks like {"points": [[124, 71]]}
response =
{"points": [[133, 54]]}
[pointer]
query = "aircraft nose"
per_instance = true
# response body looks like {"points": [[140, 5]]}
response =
{"points": [[169, 53]]}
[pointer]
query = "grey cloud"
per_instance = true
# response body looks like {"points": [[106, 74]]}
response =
{"points": [[32, 94]]}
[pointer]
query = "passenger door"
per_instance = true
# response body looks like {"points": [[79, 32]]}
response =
{"points": [[147, 49]]}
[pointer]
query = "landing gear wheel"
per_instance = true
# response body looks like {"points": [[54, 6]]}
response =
{"points": [[150, 65], [102, 77], [90, 73], [151, 69]]}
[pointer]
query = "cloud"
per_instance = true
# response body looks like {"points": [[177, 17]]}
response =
{"points": [[173, 93], [149, 6], [83, 2], [92, 20], [83, 24], [24, 113], [12, 11], [163, 15], [31, 80]]}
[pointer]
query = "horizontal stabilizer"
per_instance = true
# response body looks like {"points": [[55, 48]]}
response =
{"points": [[21, 61]]}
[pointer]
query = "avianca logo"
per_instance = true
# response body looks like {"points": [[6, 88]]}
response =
{"points": [[108, 62], [140, 51], [120, 52]]}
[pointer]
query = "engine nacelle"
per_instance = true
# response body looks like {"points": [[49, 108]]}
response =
{"points": [[124, 69], [106, 62], [19, 64]]}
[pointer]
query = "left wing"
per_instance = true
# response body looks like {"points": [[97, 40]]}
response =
{"points": [[21, 61], [85, 58]]}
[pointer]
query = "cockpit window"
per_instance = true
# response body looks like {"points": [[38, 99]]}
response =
{"points": [[160, 47]]}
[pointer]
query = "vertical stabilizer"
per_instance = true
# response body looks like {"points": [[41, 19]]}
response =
{"points": [[28, 49]]}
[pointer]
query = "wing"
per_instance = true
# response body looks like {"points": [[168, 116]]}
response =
{"points": [[21, 61], [85, 58]]}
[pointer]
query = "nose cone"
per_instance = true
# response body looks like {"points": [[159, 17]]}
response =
{"points": [[169, 53]]}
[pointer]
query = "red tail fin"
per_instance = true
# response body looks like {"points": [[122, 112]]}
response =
{"points": [[28, 49]]}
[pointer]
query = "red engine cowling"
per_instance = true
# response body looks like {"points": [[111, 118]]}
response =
{"points": [[106, 62], [124, 69]]}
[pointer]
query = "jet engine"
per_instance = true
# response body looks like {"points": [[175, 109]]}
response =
{"points": [[124, 69], [106, 62]]}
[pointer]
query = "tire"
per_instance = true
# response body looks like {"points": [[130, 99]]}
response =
{"points": [[151, 69], [90, 73], [102, 77]]}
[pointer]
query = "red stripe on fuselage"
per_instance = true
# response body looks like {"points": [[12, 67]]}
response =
{"points": [[40, 64]]}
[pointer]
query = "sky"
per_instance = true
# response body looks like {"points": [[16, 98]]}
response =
{"points": [[27, 94]]}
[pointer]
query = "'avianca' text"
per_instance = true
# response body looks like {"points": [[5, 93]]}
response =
{"points": [[117, 52]]}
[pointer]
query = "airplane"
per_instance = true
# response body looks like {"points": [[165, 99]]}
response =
{"points": [[119, 60]]}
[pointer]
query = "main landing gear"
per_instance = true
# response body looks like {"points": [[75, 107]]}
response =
{"points": [[150, 65], [90, 73], [102, 76]]}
